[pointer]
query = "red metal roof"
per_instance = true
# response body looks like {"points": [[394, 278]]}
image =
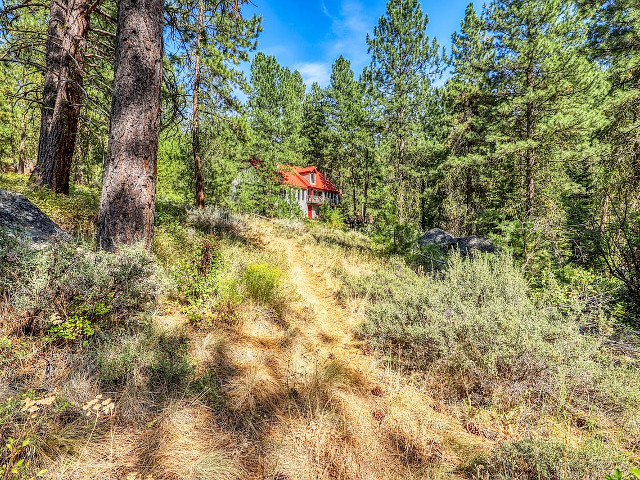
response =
{"points": [[294, 176]]}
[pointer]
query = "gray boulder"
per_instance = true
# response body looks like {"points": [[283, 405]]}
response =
{"points": [[23, 220], [437, 236], [466, 245]]}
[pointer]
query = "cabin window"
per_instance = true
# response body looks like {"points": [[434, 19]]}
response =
{"points": [[313, 178]]}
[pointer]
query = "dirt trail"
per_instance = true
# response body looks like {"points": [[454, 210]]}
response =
{"points": [[333, 324], [394, 431]]}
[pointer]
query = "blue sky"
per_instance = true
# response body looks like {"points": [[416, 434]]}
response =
{"points": [[310, 35]]}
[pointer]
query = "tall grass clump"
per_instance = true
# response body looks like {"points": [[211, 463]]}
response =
{"points": [[475, 327], [261, 281]]}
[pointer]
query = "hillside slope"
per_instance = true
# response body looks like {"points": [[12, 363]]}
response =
{"points": [[260, 361]]}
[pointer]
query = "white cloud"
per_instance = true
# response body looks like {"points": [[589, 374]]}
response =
{"points": [[314, 72], [349, 28]]}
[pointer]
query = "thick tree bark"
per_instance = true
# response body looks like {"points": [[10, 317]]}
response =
{"points": [[197, 160], [127, 205], [62, 93]]}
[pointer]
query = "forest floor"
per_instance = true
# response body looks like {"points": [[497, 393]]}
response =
{"points": [[280, 388], [305, 399]]}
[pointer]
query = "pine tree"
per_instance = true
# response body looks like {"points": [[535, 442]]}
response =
{"points": [[548, 94], [62, 94], [315, 129], [213, 39], [469, 101], [127, 204], [275, 111], [616, 206], [350, 132], [404, 60], [345, 118]]}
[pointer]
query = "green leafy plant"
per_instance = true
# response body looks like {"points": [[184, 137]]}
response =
{"points": [[262, 281], [16, 466], [634, 474]]}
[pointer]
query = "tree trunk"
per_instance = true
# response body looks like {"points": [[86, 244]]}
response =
{"points": [[23, 143], [468, 201], [530, 165], [423, 206], [127, 205], [62, 93], [604, 219], [365, 190], [197, 160], [353, 191]]}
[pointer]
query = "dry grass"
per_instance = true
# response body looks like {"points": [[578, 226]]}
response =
{"points": [[283, 391]]}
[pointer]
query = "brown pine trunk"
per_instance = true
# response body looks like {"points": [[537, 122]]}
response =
{"points": [[127, 205], [530, 165], [365, 191], [62, 93], [604, 219], [23, 143], [353, 191], [197, 160], [468, 200]]}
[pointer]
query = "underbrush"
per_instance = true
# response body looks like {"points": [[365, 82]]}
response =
{"points": [[38, 428], [66, 291], [215, 263], [478, 337], [547, 460]]}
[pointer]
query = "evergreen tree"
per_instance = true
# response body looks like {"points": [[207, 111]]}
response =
{"points": [[127, 204], [62, 94], [404, 60], [275, 111], [616, 207], [213, 39], [345, 119], [469, 101], [548, 93], [315, 129], [350, 153]]}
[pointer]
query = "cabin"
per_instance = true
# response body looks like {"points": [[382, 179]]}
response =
{"points": [[311, 188]]}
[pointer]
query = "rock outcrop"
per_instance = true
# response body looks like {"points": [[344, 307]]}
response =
{"points": [[23, 220], [466, 245]]}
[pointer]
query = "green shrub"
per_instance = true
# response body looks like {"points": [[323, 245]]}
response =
{"points": [[149, 359], [27, 421], [634, 474], [121, 357], [331, 216], [197, 277], [262, 281], [216, 220], [475, 326], [69, 291]]}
